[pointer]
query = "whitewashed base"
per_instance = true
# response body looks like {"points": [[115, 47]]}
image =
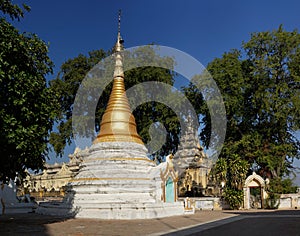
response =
{"points": [[114, 211], [115, 181]]}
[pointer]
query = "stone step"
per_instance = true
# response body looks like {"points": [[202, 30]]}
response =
{"points": [[130, 211]]}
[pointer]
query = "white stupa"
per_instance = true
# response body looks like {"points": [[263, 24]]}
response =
{"points": [[116, 179]]}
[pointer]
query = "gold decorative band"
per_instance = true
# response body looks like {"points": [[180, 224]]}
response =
{"points": [[120, 159], [119, 138]]}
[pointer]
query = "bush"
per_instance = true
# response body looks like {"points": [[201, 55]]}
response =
{"points": [[272, 201], [282, 186], [234, 198]]}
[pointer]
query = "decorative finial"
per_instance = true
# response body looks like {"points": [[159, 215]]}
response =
{"points": [[120, 41], [119, 22]]}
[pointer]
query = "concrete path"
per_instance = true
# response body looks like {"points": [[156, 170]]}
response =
{"points": [[202, 223]]}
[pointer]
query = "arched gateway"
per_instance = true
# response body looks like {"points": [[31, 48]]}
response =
{"points": [[254, 192]]}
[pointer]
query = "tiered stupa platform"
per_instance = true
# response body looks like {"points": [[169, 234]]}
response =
{"points": [[118, 181]]}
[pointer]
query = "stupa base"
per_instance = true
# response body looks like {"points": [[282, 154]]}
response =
{"points": [[117, 181], [113, 211], [130, 211]]}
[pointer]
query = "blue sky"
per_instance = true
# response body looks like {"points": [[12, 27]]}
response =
{"points": [[203, 29]]}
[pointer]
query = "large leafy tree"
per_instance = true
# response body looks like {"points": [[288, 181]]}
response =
{"points": [[260, 85], [275, 97], [66, 84], [27, 105], [72, 73]]}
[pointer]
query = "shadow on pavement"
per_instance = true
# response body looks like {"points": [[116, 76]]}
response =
{"points": [[27, 224]]}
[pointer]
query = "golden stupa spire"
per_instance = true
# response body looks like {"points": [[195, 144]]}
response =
{"points": [[118, 123]]}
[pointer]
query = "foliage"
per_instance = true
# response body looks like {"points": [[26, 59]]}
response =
{"points": [[282, 186], [234, 197], [260, 88], [27, 107], [219, 171], [13, 10], [231, 170], [69, 78], [275, 76], [74, 70], [272, 201]]}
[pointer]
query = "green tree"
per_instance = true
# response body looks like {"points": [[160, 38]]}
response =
{"points": [[14, 11], [275, 76], [282, 186], [73, 72], [66, 84], [27, 107], [232, 171], [260, 87]]}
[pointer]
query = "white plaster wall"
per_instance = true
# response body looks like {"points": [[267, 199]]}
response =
{"points": [[204, 204], [285, 203]]}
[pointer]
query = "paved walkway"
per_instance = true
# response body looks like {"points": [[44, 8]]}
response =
{"points": [[33, 224]]}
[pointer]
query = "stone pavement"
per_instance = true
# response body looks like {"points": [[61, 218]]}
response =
{"points": [[34, 224]]}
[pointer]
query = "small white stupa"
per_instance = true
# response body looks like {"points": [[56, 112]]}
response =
{"points": [[116, 179], [9, 204]]}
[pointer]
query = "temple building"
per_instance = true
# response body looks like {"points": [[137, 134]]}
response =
{"points": [[52, 182]]}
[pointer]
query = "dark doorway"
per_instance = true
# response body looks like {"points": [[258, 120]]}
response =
{"points": [[255, 198]]}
